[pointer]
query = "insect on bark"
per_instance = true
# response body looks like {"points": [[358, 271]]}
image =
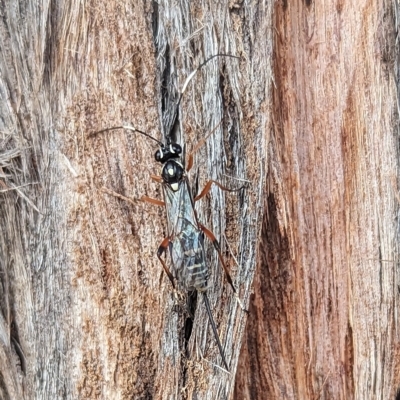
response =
{"points": [[185, 240]]}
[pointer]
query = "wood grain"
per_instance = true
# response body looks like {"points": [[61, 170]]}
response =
{"points": [[323, 319], [84, 314], [309, 121]]}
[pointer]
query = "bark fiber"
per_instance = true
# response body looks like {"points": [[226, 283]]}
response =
{"points": [[323, 319], [309, 123], [85, 313]]}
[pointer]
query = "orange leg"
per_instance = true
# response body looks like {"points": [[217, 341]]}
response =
{"points": [[162, 249], [156, 178], [152, 201], [190, 162], [207, 188], [217, 247], [197, 147]]}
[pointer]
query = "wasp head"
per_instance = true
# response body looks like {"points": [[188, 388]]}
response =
{"points": [[172, 174], [164, 153]]}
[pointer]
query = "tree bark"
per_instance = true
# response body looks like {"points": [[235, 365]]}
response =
{"points": [[84, 313], [323, 319], [310, 123]]}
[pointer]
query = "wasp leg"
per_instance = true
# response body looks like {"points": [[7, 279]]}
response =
{"points": [[214, 329], [190, 162], [117, 195], [197, 147], [152, 201], [162, 249], [157, 202], [156, 178], [207, 188], [217, 247]]}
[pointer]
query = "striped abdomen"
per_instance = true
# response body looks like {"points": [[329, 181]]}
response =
{"points": [[187, 252]]}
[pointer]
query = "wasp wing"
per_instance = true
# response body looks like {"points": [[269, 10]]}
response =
{"points": [[186, 239]]}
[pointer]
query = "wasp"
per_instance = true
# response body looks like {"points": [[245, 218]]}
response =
{"points": [[185, 240]]}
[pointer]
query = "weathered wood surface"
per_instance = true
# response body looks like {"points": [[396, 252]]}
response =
{"points": [[323, 321], [83, 313], [311, 124]]}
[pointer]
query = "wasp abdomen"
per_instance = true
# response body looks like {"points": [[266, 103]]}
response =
{"points": [[195, 273], [190, 267]]}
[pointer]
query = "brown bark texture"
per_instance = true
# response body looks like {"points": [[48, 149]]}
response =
{"points": [[85, 310], [324, 317], [309, 123]]}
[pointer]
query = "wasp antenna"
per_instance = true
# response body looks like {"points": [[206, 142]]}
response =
{"points": [[105, 130], [131, 128], [216, 55], [189, 78], [214, 328]]}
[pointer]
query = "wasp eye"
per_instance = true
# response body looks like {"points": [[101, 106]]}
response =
{"points": [[158, 155]]}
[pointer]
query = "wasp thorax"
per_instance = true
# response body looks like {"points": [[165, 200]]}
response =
{"points": [[167, 152], [172, 173]]}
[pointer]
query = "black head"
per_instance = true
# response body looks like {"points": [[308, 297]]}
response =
{"points": [[165, 153], [172, 174]]}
